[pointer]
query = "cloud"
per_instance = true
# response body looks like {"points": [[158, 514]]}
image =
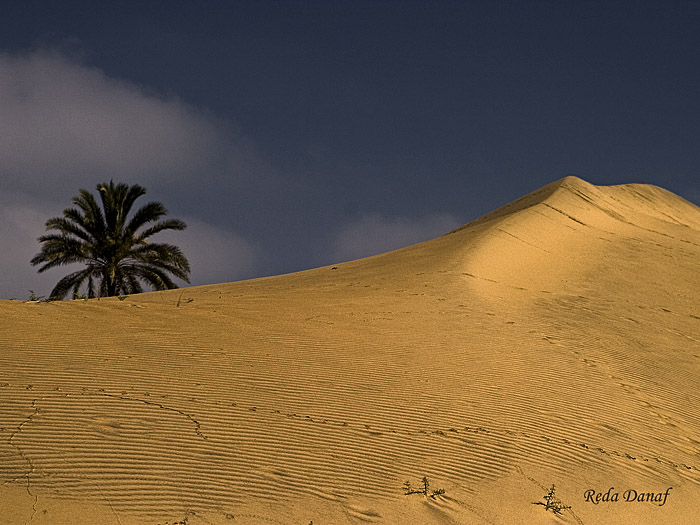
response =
{"points": [[215, 255], [65, 125], [64, 122], [21, 222], [374, 233]]}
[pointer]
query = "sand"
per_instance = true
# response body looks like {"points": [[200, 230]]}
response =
{"points": [[555, 341]]}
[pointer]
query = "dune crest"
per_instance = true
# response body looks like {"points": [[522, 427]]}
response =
{"points": [[555, 340], [563, 233]]}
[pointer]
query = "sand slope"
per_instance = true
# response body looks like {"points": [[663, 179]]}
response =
{"points": [[553, 341]]}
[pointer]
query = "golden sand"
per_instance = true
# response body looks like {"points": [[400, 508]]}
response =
{"points": [[555, 341]]}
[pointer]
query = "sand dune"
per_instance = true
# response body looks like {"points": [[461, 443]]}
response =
{"points": [[553, 341]]}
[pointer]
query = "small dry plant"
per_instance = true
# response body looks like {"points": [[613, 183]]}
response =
{"points": [[552, 502], [424, 490]]}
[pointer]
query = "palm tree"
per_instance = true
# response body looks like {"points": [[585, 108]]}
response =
{"points": [[113, 247]]}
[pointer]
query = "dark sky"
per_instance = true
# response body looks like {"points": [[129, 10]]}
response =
{"points": [[291, 135]]}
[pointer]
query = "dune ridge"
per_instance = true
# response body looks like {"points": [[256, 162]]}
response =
{"points": [[554, 340]]}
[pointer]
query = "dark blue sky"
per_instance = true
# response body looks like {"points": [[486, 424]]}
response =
{"points": [[335, 122]]}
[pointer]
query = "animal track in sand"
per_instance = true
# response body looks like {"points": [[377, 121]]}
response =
{"points": [[197, 429], [25, 457]]}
